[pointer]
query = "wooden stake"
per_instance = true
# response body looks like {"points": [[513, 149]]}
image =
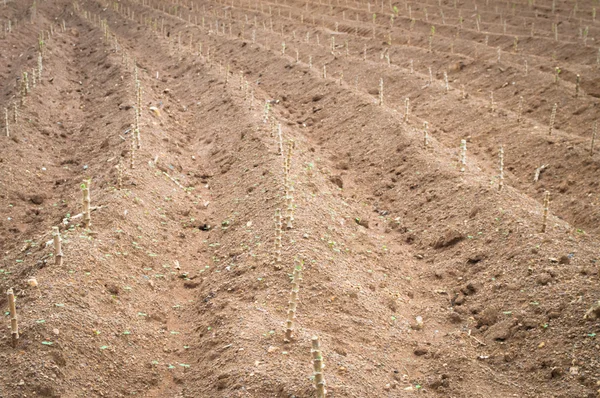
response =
{"points": [[85, 189], [14, 327], [594, 131], [293, 302], [463, 154], [545, 214], [6, 122], [552, 118], [58, 254], [278, 234], [501, 176], [318, 368]]}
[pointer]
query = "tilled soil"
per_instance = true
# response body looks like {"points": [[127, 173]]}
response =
{"points": [[175, 289]]}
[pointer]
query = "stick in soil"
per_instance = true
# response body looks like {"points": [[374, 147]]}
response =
{"points": [[6, 122], [577, 84], [289, 187], [120, 174], [318, 366], [594, 131], [280, 137], [545, 214], [14, 327], [406, 109], [552, 118], [463, 154], [58, 254], [425, 135], [293, 302], [85, 190], [501, 176], [132, 153], [381, 91], [278, 233], [138, 113], [520, 109], [15, 113]]}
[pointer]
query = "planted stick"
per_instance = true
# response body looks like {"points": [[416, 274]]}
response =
{"points": [[15, 113], [425, 135], [132, 153], [25, 83], [447, 88], [577, 84], [381, 91], [492, 104], [318, 368], [594, 131], [406, 109], [289, 188], [293, 302], [520, 109], [120, 174], [58, 254], [552, 118], [463, 154], [85, 189], [279, 135], [278, 233], [14, 327], [501, 176], [545, 214]]}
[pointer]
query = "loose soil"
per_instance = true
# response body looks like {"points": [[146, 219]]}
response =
{"points": [[174, 290]]}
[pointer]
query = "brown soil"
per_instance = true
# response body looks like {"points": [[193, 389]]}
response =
{"points": [[173, 290]]}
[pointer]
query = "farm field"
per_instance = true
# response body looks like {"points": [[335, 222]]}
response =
{"points": [[207, 198]]}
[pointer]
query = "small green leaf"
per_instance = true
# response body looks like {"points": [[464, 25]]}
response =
{"points": [[47, 343], [104, 347]]}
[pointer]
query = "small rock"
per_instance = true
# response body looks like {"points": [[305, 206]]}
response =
{"points": [[112, 288], [500, 331], [190, 284], [543, 279], [454, 317], [553, 260], [272, 349], [337, 180], [488, 316], [594, 312], [37, 199], [564, 259], [420, 351], [21, 382]]}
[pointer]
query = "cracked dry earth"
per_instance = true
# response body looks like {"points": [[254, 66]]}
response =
{"points": [[420, 276]]}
